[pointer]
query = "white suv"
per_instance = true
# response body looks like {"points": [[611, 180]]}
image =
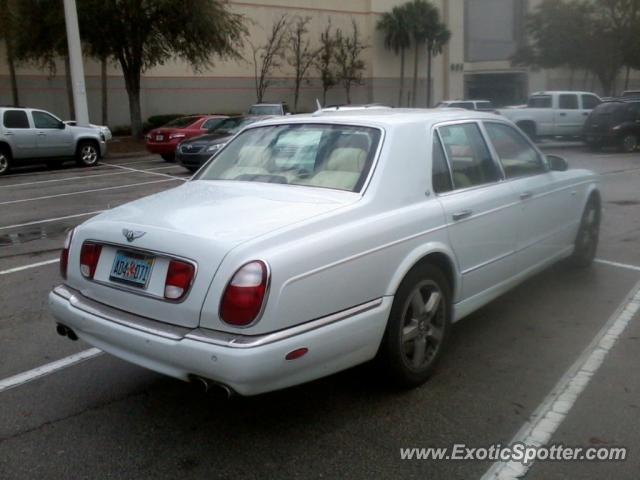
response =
{"points": [[27, 133]]}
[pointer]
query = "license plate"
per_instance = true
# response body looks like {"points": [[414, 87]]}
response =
{"points": [[131, 268], [159, 138]]}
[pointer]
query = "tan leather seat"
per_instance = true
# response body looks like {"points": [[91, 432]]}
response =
{"points": [[342, 170], [251, 161]]}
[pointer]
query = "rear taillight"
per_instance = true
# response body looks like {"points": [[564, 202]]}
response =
{"points": [[243, 298], [179, 278], [64, 255], [89, 257]]}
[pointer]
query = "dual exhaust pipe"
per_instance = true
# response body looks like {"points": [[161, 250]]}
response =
{"points": [[204, 384], [65, 331]]}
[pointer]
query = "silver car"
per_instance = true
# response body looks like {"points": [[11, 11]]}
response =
{"points": [[27, 133]]}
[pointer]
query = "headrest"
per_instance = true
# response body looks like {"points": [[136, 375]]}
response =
{"points": [[347, 159]]}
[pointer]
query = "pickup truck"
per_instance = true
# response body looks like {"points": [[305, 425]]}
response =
{"points": [[553, 114]]}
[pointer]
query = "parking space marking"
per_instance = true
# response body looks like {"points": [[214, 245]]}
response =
{"points": [[145, 171], [546, 419], [81, 177], [27, 267], [49, 220], [41, 371], [46, 197], [616, 264]]}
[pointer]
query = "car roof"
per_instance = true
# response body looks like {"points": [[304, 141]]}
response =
{"points": [[551, 92], [385, 117]]}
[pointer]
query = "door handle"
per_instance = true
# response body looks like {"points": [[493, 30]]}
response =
{"points": [[41, 134], [562, 114], [462, 215], [585, 114], [526, 195], [8, 133]]}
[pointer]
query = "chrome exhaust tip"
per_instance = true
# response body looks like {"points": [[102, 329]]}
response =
{"points": [[212, 388]]}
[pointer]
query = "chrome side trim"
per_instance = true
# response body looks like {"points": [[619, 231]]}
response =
{"points": [[214, 337], [249, 341]]}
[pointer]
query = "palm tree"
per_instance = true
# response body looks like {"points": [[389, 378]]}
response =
{"points": [[437, 36], [395, 26], [420, 13]]}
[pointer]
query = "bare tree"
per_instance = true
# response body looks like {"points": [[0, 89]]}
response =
{"points": [[302, 55], [325, 62], [268, 57], [347, 55]]}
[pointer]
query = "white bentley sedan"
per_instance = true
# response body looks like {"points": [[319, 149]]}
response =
{"points": [[314, 243]]}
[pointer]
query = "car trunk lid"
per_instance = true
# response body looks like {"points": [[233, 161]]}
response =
{"points": [[199, 223]]}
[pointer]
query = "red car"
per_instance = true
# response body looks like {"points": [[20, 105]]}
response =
{"points": [[165, 139]]}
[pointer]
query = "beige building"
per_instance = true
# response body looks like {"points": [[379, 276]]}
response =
{"points": [[474, 64]]}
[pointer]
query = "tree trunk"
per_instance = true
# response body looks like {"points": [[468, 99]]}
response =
{"points": [[415, 77], [296, 94], [67, 74], [103, 87], [12, 73], [347, 88], [401, 93], [429, 50], [132, 83], [626, 78]]}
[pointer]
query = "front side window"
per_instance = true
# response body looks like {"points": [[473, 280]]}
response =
{"points": [[517, 157], [44, 120], [212, 123], [589, 102], [440, 176], [539, 101], [15, 119], [315, 155], [233, 124], [568, 101], [470, 160]]}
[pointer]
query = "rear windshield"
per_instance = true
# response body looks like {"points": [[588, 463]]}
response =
{"points": [[182, 122], [539, 101], [327, 156]]}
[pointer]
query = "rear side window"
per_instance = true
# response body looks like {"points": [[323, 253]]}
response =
{"points": [[15, 119], [440, 176], [540, 101], [471, 162], [589, 102], [568, 102], [484, 105], [518, 158], [212, 123]]}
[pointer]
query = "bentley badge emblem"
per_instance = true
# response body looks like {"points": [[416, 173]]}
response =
{"points": [[131, 235]]}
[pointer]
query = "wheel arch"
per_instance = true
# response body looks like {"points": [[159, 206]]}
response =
{"points": [[593, 194], [6, 146], [437, 254], [87, 139]]}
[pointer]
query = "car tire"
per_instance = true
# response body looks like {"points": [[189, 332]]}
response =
{"points": [[413, 343], [529, 129], [586, 243], [87, 153], [629, 143], [169, 158], [5, 160]]}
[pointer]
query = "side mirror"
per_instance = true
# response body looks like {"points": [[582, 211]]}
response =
{"points": [[557, 164], [62, 125]]}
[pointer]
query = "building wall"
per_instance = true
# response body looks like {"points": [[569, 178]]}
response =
{"points": [[228, 86]]}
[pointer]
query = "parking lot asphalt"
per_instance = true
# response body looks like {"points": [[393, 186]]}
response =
{"points": [[104, 418]]}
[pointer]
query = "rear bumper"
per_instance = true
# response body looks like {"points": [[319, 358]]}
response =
{"points": [[162, 148], [248, 364]]}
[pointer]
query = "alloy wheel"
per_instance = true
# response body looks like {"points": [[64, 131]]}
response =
{"points": [[423, 325], [4, 163], [89, 154]]}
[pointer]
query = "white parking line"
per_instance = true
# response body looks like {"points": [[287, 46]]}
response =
{"points": [[46, 197], [43, 370], [49, 220], [27, 267], [146, 171], [616, 264], [556, 406], [82, 177]]}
